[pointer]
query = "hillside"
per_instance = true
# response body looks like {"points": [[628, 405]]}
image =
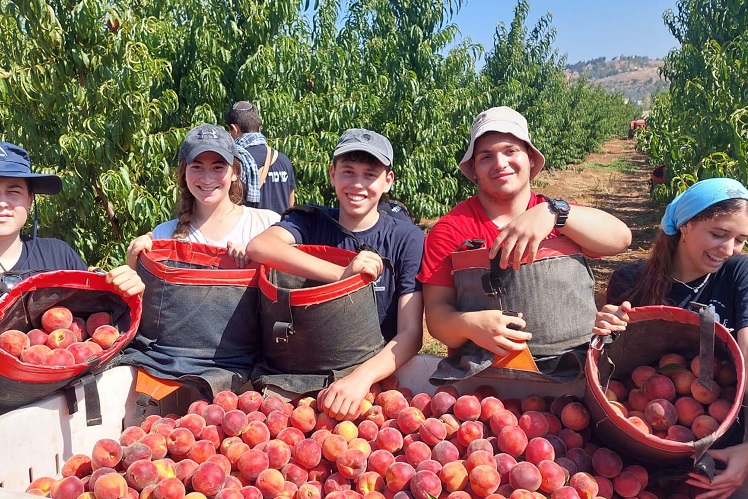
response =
{"points": [[636, 77]]}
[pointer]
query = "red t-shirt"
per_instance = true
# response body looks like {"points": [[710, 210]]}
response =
{"points": [[467, 220]]}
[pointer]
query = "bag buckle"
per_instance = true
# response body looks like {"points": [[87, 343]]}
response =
{"points": [[281, 331]]}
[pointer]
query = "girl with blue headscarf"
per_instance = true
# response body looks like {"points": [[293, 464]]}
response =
{"points": [[697, 256]]}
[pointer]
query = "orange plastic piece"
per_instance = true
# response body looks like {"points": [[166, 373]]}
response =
{"points": [[521, 360], [156, 388]]}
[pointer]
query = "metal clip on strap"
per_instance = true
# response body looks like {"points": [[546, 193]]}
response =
{"points": [[282, 330]]}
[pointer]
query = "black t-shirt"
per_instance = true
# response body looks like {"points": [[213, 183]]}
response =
{"points": [[401, 242], [280, 181], [726, 289]]}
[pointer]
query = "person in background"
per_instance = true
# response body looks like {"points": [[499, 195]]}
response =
{"points": [[697, 256], [211, 210], [361, 172], [22, 256], [275, 188]]}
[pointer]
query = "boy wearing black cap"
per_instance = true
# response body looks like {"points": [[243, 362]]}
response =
{"points": [[22, 256], [360, 173]]}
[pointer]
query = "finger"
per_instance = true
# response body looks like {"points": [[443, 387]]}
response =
{"points": [[532, 252], [600, 331], [496, 245], [506, 253], [518, 255]]}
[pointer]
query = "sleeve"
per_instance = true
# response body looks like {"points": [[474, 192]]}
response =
{"points": [[300, 224], [165, 230], [289, 168], [741, 292], [437, 261], [409, 261], [74, 261]]}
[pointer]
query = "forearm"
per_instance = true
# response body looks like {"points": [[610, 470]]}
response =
{"points": [[596, 231], [397, 352]]}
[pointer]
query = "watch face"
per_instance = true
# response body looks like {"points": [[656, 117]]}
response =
{"points": [[561, 205]]}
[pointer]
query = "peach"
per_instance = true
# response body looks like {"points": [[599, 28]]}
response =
{"points": [[270, 404], [304, 418], [432, 431], [134, 452], [618, 389], [60, 338], [58, 357], [533, 402], [398, 476], [467, 408], [333, 446], [581, 459], [553, 477], [105, 336], [719, 409], [379, 460], [571, 438], [454, 476], [682, 381], [641, 474], [141, 473], [184, 469], [227, 399], [234, 452], [704, 426], [193, 422], [392, 402], [422, 402], [479, 458], [351, 463], [78, 327], [249, 401], [57, 318], [451, 424], [640, 424], [410, 419], [431, 465], [390, 440], [110, 486], [565, 492], [35, 336], [157, 443], [695, 363], [369, 481], [346, 429], [106, 453], [256, 433], [425, 485], [180, 441], [512, 440], [606, 463], [295, 474], [626, 484], [306, 491], [703, 394], [362, 445], [525, 476], [688, 409], [442, 403], [641, 374], [504, 463], [307, 453], [534, 424], [584, 484], [69, 487], [279, 453], [201, 451], [660, 413], [276, 421], [213, 414], [500, 419], [470, 430], [575, 416], [336, 483], [97, 319], [375, 414], [726, 373], [367, 430], [488, 407], [252, 463], [14, 342], [680, 433], [672, 359], [84, 351], [77, 465], [291, 436], [539, 449], [658, 386], [234, 422], [165, 468], [416, 453], [484, 480], [208, 478]]}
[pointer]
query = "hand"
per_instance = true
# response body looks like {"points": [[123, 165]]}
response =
{"points": [[611, 318], [140, 243], [521, 237], [727, 480], [490, 330], [126, 280], [238, 252], [342, 399], [367, 263]]}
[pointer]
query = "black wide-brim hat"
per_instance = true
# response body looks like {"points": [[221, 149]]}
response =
{"points": [[15, 163]]}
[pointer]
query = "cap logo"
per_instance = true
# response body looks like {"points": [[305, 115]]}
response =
{"points": [[3, 153], [366, 136], [207, 134]]}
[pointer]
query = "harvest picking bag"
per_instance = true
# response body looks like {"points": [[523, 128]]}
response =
{"points": [[653, 331], [314, 333], [554, 294], [84, 293], [200, 322]]}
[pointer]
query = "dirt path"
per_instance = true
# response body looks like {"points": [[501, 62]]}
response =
{"points": [[615, 180]]}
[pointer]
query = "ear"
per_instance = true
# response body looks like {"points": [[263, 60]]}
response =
{"points": [[234, 130], [389, 179], [332, 173]]}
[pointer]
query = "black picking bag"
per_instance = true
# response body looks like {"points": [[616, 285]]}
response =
{"points": [[84, 293], [314, 333], [200, 322], [556, 297]]}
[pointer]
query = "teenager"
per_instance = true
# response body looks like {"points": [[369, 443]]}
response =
{"points": [[22, 256], [361, 172], [210, 210], [697, 256]]}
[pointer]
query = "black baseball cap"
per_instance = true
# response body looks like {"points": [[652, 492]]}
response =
{"points": [[15, 163]]}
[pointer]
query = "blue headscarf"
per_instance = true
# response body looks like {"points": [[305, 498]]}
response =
{"points": [[697, 198]]}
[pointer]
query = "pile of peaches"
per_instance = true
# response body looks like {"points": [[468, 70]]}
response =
{"points": [[63, 340], [669, 401], [402, 446]]}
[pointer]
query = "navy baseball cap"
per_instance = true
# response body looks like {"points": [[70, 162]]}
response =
{"points": [[15, 163], [204, 138]]}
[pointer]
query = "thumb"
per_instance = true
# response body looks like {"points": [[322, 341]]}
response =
{"points": [[719, 454]]}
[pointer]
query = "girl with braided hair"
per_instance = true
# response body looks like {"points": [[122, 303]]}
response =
{"points": [[211, 210]]}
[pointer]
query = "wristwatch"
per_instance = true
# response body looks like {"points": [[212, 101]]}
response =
{"points": [[561, 208]]}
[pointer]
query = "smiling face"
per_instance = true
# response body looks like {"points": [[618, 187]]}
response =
{"points": [[501, 166], [706, 244], [15, 203], [359, 184], [209, 178]]}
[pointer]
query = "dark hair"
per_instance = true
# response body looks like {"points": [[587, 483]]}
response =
{"points": [[187, 203], [658, 273], [360, 157], [248, 120]]}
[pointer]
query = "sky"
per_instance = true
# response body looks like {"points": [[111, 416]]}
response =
{"points": [[585, 29]]}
